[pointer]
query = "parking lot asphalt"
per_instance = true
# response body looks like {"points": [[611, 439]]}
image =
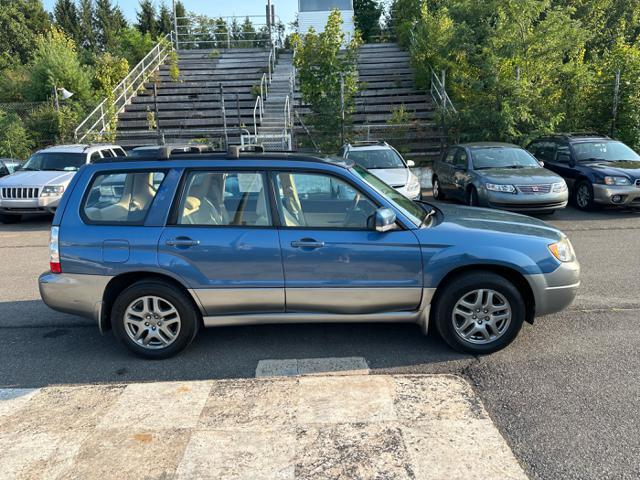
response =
{"points": [[565, 395]]}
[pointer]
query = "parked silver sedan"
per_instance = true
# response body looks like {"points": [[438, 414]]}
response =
{"points": [[498, 175]]}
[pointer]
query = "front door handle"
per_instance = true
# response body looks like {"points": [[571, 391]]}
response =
{"points": [[307, 243], [182, 242]]}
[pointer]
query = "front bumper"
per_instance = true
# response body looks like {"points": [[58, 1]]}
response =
{"points": [[414, 194], [523, 203], [604, 194], [557, 290], [74, 293], [40, 205]]}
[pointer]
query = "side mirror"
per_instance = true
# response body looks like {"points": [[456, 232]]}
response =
{"points": [[541, 163], [572, 162], [385, 220], [411, 163]]}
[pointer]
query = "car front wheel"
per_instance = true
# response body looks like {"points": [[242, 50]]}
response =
{"points": [[154, 319], [479, 312], [437, 189], [583, 196]]}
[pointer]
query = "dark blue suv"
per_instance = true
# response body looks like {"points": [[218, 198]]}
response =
{"points": [[156, 249], [597, 169]]}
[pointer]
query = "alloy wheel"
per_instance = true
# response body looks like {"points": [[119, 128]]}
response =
{"points": [[481, 316], [436, 188], [583, 196], [152, 322]]}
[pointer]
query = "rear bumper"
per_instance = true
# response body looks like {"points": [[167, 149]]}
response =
{"points": [[73, 293], [557, 290], [604, 194]]}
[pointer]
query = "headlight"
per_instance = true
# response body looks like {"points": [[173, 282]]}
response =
{"points": [[500, 188], [559, 187], [563, 250], [617, 181], [52, 191]]}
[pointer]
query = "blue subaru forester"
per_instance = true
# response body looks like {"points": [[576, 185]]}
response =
{"points": [[157, 248]]}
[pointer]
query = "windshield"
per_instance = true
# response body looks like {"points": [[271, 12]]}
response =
{"points": [[377, 159], [410, 209], [609, 151], [502, 157], [55, 161]]}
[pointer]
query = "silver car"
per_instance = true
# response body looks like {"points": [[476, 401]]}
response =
{"points": [[386, 163], [38, 186], [498, 175]]}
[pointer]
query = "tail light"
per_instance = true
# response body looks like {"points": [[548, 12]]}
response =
{"points": [[54, 251]]}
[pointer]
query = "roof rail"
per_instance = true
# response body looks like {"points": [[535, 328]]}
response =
{"points": [[579, 134], [235, 150], [362, 143]]}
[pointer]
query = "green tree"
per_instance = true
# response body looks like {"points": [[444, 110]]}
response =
{"points": [[322, 64], [165, 21], [56, 63], [235, 32], [147, 18], [133, 45], [67, 18], [401, 17], [87, 37], [14, 139], [367, 15], [247, 34], [21, 21], [109, 22]]}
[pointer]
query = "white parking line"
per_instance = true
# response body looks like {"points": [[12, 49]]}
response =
{"points": [[312, 366]]}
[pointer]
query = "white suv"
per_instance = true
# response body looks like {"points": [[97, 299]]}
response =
{"points": [[37, 187], [387, 164]]}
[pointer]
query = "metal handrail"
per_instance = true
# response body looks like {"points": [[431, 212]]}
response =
{"points": [[258, 110], [125, 90], [272, 63], [264, 86], [287, 115], [439, 92]]}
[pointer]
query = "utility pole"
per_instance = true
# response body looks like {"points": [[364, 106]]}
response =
{"points": [[270, 20], [616, 102]]}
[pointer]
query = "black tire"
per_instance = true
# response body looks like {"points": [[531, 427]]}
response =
{"points": [[438, 194], [585, 202], [472, 197], [458, 288], [187, 311], [8, 219]]}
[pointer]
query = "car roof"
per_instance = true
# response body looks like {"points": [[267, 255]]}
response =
{"points": [[473, 145], [369, 147], [577, 137], [227, 158], [78, 148]]}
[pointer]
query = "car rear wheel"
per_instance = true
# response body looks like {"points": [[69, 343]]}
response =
{"points": [[437, 189], [583, 196], [10, 218], [479, 312], [154, 319]]}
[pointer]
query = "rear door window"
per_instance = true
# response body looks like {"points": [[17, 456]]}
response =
{"points": [[225, 199], [121, 198]]}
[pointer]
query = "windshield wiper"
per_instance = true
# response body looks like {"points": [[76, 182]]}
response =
{"points": [[595, 159]]}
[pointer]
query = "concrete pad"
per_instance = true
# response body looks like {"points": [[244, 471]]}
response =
{"points": [[129, 454], [58, 409], [460, 450], [158, 406], [227, 455], [245, 405], [37, 455], [352, 451], [12, 399], [277, 368], [424, 398], [350, 399]]}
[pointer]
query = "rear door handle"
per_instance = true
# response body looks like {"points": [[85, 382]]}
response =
{"points": [[304, 243], [182, 242]]}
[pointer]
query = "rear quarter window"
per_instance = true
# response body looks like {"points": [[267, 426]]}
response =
{"points": [[121, 197]]}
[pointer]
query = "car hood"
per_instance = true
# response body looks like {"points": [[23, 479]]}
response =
{"points": [[36, 178], [621, 167], [395, 177], [490, 221], [519, 176]]}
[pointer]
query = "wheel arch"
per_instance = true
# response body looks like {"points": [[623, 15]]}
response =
{"points": [[121, 282], [510, 274]]}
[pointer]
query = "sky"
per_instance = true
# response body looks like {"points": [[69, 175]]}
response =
{"points": [[285, 9]]}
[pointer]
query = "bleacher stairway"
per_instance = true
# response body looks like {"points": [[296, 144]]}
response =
{"points": [[191, 108]]}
